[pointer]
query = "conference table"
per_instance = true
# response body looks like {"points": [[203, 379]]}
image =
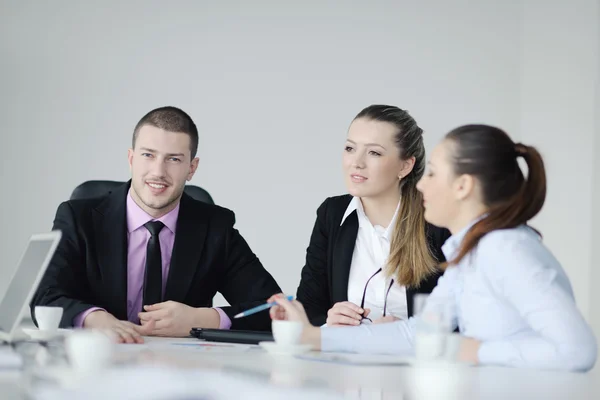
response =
{"points": [[162, 367]]}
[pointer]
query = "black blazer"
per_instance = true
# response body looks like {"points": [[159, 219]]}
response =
{"points": [[89, 267], [325, 276]]}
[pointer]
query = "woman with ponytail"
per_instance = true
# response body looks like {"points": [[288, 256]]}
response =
{"points": [[504, 290], [371, 251]]}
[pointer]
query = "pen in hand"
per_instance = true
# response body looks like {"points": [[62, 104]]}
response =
{"points": [[260, 308]]}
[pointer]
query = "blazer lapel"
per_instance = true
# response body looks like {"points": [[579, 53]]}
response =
{"points": [[110, 229], [342, 257], [410, 295], [189, 241]]}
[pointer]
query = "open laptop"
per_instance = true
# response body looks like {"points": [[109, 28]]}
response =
{"points": [[24, 282]]}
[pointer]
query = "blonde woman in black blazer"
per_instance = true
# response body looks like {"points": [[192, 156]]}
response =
{"points": [[371, 251]]}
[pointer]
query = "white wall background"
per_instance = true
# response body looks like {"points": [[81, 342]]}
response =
{"points": [[594, 268], [560, 74], [273, 86]]}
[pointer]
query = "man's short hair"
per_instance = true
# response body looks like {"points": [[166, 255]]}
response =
{"points": [[171, 119]]}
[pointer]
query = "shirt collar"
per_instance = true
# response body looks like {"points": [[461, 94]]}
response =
{"points": [[353, 206], [136, 217], [356, 205], [452, 244]]}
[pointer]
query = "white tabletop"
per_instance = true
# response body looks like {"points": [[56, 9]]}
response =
{"points": [[350, 381]]}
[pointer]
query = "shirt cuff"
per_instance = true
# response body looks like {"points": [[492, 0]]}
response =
{"points": [[338, 339], [493, 353], [79, 318], [225, 322]]}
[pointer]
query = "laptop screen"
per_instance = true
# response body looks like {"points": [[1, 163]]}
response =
{"points": [[28, 273]]}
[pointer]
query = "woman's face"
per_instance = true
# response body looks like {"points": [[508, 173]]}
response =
{"points": [[438, 188], [371, 160]]}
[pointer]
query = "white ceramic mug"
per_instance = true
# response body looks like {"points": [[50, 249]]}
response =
{"points": [[287, 333], [48, 318], [430, 346], [431, 330], [89, 351], [452, 347]]}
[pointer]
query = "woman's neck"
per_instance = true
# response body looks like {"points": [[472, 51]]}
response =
{"points": [[466, 217], [380, 210]]}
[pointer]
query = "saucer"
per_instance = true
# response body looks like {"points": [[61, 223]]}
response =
{"points": [[290, 350], [37, 334]]}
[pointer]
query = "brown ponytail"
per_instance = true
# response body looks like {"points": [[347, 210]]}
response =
{"points": [[490, 155]]}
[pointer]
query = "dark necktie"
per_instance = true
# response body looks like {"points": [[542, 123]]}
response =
{"points": [[153, 275]]}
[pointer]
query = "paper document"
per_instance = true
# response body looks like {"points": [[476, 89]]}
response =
{"points": [[174, 344], [357, 359], [211, 347]]}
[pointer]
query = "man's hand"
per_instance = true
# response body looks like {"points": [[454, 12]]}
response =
{"points": [[177, 319], [125, 331]]}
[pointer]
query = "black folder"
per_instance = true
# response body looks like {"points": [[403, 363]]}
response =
{"points": [[232, 336]]}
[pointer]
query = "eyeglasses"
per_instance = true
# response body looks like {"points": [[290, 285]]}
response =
{"points": [[387, 292]]}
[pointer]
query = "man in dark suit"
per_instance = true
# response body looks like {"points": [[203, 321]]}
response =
{"points": [[148, 259]]}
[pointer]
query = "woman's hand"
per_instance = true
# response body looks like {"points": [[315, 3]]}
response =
{"points": [[385, 320], [286, 310], [469, 350], [346, 313]]}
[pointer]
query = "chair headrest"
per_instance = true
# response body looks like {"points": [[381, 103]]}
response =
{"points": [[100, 188]]}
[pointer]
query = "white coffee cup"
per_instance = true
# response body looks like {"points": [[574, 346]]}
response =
{"points": [[287, 333], [452, 347], [430, 336], [48, 318], [89, 351], [429, 346]]}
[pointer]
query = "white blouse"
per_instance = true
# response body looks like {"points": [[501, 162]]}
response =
{"points": [[510, 293], [371, 252]]}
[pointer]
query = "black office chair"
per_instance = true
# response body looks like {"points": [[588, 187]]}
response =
{"points": [[100, 188]]}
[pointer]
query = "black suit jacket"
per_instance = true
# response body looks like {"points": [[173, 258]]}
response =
{"points": [[329, 256], [89, 267]]}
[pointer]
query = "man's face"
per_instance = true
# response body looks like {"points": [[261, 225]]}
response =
{"points": [[160, 164]]}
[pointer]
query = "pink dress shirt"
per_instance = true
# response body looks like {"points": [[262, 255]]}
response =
{"points": [[137, 239]]}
